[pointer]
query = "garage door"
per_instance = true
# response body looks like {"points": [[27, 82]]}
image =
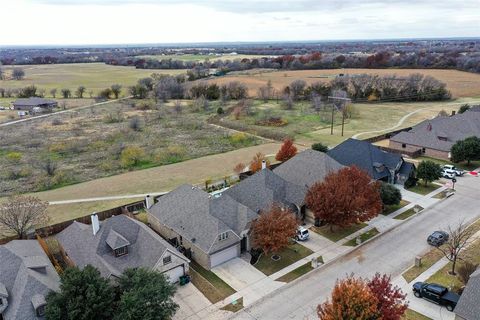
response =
{"points": [[223, 256], [174, 274]]}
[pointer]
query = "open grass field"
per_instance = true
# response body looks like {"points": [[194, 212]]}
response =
{"points": [[201, 58], [105, 140], [94, 76], [460, 83]]}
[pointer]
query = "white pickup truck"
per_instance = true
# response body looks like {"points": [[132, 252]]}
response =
{"points": [[450, 167]]}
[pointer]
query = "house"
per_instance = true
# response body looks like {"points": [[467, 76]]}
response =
{"points": [[118, 243], [468, 307], [26, 278], [379, 164], [435, 137], [34, 105], [211, 230]]}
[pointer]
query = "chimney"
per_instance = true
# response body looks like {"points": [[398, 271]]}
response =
{"points": [[95, 223], [149, 201], [453, 112], [264, 164]]}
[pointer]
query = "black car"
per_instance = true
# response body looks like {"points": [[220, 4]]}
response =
{"points": [[437, 238], [436, 293]]}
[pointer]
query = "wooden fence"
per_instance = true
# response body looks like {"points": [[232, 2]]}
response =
{"points": [[411, 154], [386, 135]]}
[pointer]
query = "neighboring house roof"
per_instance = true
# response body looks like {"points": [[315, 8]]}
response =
{"points": [[307, 167], [468, 306], [33, 102], [26, 277], [261, 190], [376, 162], [197, 216], [145, 247], [427, 133]]}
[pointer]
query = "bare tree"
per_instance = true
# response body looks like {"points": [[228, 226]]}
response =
{"points": [[317, 103], [458, 239], [49, 166], [53, 92], [18, 73], [177, 106], [1, 74], [80, 91], [21, 213], [288, 101], [41, 92], [116, 90]]}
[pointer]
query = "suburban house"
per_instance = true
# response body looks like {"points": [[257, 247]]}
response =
{"points": [[26, 278], [379, 164], [118, 243], [34, 105], [211, 230], [435, 137], [468, 307]]}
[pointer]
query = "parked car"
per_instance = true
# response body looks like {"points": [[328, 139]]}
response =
{"points": [[437, 238], [436, 293], [458, 172], [302, 234], [449, 174]]}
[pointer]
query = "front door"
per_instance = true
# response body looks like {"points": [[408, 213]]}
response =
{"points": [[243, 244]]}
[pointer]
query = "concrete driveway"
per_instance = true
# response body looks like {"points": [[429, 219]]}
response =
{"points": [[190, 300], [238, 273]]}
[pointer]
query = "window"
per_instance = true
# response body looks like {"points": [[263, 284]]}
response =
{"points": [[223, 236], [404, 145], [423, 150], [121, 251], [167, 259]]}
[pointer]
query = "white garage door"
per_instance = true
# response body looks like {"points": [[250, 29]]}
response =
{"points": [[223, 256], [174, 274]]}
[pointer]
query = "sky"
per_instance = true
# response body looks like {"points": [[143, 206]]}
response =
{"points": [[70, 22]]}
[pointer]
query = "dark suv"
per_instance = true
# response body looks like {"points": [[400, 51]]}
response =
{"points": [[436, 293], [437, 238]]}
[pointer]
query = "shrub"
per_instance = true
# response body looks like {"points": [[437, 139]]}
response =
{"points": [[57, 122], [410, 183], [131, 156], [14, 156], [136, 124], [238, 138], [220, 110], [114, 117], [320, 147], [390, 194]]}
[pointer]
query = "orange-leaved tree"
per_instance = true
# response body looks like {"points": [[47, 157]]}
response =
{"points": [[256, 163], [239, 167], [273, 229], [287, 150], [345, 197], [351, 299]]}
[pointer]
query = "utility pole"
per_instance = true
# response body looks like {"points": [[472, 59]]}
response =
{"points": [[339, 103]]}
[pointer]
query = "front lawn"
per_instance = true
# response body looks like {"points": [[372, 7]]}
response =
{"points": [[234, 306], [298, 272], [428, 260], [364, 236], [212, 287], [337, 233], [289, 255], [389, 209], [408, 213], [414, 315], [420, 188]]}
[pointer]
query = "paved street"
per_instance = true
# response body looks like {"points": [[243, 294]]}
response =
{"points": [[391, 253]]}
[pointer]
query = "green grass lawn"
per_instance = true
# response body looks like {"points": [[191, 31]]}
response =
{"points": [[443, 277], [410, 212], [234, 306], [289, 255], [337, 233], [395, 207], [414, 315], [428, 260], [420, 188], [212, 287], [364, 236], [298, 272]]}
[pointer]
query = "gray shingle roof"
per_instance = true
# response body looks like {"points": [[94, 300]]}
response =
{"points": [[426, 134], [468, 307], [261, 190], [115, 240], [194, 214], [22, 282], [307, 167], [144, 250], [33, 102], [366, 156]]}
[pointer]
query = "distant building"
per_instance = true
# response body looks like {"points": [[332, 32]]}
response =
{"points": [[34, 105], [468, 307], [435, 137]]}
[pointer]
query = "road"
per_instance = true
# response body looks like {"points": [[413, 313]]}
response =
{"points": [[59, 112], [391, 253]]}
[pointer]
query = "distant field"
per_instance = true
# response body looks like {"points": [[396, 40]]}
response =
{"points": [[460, 83], [199, 57], [94, 76]]}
